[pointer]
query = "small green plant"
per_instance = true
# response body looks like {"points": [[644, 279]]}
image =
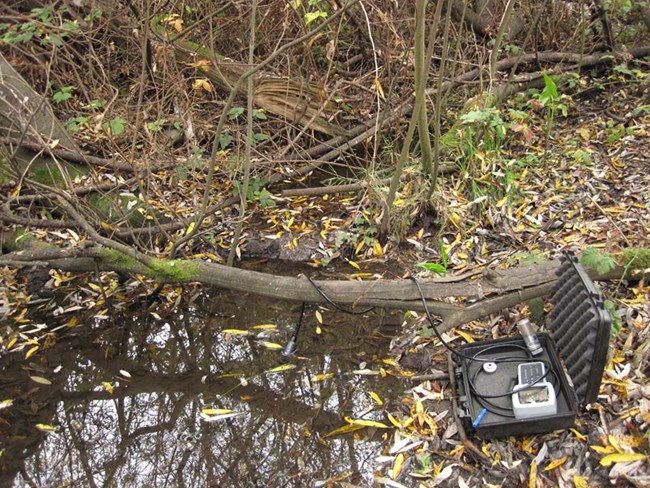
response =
{"points": [[115, 126], [235, 112], [550, 98], [617, 322], [602, 262], [156, 125], [256, 192], [75, 124], [63, 94], [441, 267]]}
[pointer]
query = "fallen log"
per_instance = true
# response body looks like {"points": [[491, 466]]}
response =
{"points": [[484, 291]]}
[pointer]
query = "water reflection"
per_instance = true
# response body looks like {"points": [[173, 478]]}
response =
{"points": [[127, 399]]}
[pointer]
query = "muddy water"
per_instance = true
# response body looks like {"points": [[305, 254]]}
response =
{"points": [[128, 399]]}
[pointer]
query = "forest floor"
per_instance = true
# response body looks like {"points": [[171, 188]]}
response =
{"points": [[584, 184]]}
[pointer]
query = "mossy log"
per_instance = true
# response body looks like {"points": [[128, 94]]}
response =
{"points": [[488, 291]]}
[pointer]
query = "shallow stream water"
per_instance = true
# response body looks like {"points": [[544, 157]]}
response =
{"points": [[168, 397]]}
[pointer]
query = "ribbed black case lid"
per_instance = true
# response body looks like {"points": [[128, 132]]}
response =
{"points": [[580, 328]]}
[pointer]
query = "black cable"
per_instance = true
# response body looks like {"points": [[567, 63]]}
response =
{"points": [[482, 398], [291, 347], [333, 304]]}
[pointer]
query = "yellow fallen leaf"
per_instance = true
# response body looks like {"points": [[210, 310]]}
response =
{"points": [[108, 387], [353, 264], [41, 380], [503, 201], [245, 398], [366, 423], [265, 326], [319, 317], [626, 457], [532, 476], [216, 411], [603, 450], [465, 335], [279, 369], [46, 428], [380, 89], [580, 481], [11, 342], [235, 331], [6, 404], [578, 435], [556, 463], [323, 376], [394, 421], [376, 398], [397, 466], [271, 345], [31, 352], [376, 248], [190, 228], [344, 430]]}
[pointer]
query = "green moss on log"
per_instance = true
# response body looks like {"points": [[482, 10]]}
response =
{"points": [[636, 260], [181, 271], [168, 270]]}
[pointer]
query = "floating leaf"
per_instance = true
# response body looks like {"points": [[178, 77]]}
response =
{"points": [[215, 418], [265, 327], [41, 380], [344, 430], [271, 345], [376, 398], [216, 411], [626, 457], [279, 369], [235, 331], [6, 404], [324, 376], [319, 317], [366, 423], [124, 373], [46, 428], [108, 387]]}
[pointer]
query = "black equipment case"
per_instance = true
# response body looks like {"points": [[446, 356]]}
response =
{"points": [[578, 333]]}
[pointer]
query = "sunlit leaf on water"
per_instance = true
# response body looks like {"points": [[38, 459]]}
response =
{"points": [[376, 398], [235, 331], [216, 411], [124, 373], [41, 380], [6, 404], [279, 369], [366, 423], [46, 428], [344, 430], [108, 387], [265, 327], [215, 418], [323, 376], [271, 345], [365, 372]]}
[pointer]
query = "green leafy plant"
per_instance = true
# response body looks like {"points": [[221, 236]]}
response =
{"points": [[63, 94], [550, 98], [115, 126], [75, 124], [617, 322], [256, 192], [441, 267], [602, 262]]}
